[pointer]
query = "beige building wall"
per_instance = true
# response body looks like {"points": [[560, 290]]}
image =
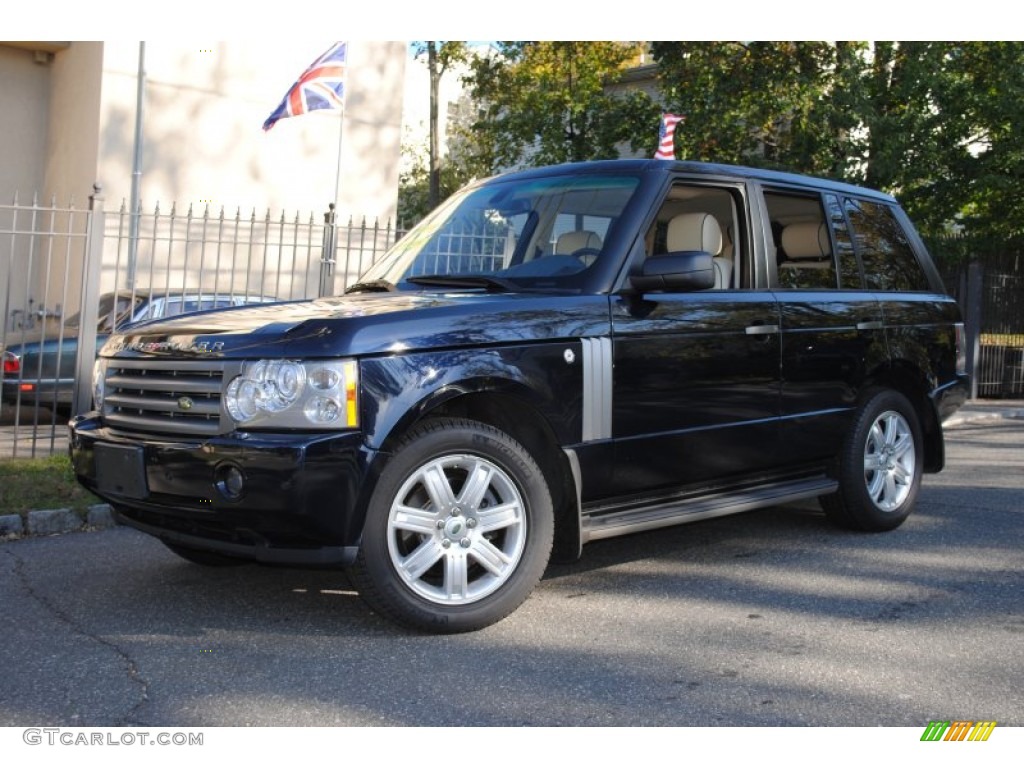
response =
{"points": [[25, 83], [205, 104], [25, 86], [73, 126]]}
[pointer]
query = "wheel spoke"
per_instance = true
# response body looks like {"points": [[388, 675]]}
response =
{"points": [[875, 485], [477, 483], [422, 558], [498, 517], [901, 474], [489, 556], [904, 444], [873, 462], [876, 437], [890, 495], [438, 487], [456, 575], [415, 520], [891, 425]]}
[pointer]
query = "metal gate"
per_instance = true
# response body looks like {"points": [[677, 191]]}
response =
{"points": [[990, 291]]}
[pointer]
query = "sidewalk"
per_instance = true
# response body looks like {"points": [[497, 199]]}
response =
{"points": [[980, 411]]}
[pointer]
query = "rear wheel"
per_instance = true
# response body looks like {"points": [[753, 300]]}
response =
{"points": [[880, 466], [458, 531]]}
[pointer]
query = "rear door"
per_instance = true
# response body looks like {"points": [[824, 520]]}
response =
{"points": [[832, 325]]}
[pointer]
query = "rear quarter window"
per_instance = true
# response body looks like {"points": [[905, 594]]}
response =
{"points": [[889, 261]]}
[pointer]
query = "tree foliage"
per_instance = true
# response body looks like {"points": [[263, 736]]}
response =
{"points": [[440, 56], [549, 101], [935, 123], [932, 122]]}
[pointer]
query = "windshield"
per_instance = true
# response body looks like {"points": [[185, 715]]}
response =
{"points": [[533, 233]]}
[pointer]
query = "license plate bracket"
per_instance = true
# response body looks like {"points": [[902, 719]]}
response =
{"points": [[121, 471]]}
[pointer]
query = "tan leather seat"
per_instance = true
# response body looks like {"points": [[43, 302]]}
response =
{"points": [[700, 232], [808, 256], [570, 242]]}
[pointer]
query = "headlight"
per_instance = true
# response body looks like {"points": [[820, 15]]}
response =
{"points": [[99, 374], [294, 394]]}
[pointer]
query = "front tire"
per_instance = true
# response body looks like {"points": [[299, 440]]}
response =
{"points": [[458, 531], [880, 466]]}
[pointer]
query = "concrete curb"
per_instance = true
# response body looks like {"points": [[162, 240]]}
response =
{"points": [[960, 419], [48, 522]]}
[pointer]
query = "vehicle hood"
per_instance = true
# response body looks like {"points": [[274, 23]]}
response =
{"points": [[366, 324]]}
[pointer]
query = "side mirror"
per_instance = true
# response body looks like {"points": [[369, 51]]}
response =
{"points": [[677, 271]]}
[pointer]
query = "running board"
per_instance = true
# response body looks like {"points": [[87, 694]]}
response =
{"points": [[661, 514]]}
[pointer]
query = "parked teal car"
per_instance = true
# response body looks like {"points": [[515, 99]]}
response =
{"points": [[39, 364]]}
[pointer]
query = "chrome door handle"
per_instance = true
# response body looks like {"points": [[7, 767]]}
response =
{"points": [[761, 330]]}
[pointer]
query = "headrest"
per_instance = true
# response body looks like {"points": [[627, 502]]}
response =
{"points": [[806, 240], [570, 242], [694, 232]]}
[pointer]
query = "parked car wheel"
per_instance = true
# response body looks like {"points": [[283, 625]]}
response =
{"points": [[459, 529], [204, 557], [880, 466]]}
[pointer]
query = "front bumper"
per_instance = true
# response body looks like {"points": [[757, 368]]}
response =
{"points": [[302, 501]]}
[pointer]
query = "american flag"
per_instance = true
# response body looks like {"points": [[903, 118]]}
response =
{"points": [[666, 137], [321, 86]]}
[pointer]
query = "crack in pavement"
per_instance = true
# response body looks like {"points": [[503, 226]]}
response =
{"points": [[130, 665]]}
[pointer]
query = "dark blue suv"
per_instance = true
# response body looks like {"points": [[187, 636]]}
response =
{"points": [[552, 357]]}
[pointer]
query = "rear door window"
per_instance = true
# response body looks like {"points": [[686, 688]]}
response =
{"points": [[889, 261]]}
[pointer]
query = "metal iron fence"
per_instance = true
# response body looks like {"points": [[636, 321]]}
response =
{"points": [[988, 283], [60, 264]]}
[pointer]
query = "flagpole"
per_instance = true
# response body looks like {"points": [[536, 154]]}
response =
{"points": [[337, 169], [134, 212]]}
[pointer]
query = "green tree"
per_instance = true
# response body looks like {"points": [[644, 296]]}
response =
{"points": [[440, 57], [936, 123], [414, 186], [549, 102], [988, 91], [770, 104]]}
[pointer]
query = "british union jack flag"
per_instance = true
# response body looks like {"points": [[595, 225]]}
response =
{"points": [[321, 86]]}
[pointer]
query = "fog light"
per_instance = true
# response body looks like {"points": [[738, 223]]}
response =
{"points": [[230, 482]]}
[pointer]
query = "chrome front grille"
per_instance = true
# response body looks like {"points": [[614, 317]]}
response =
{"points": [[180, 397]]}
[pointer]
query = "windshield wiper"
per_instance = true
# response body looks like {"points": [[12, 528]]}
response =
{"points": [[372, 286], [491, 284]]}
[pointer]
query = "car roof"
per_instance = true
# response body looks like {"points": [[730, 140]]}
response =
{"points": [[643, 166]]}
